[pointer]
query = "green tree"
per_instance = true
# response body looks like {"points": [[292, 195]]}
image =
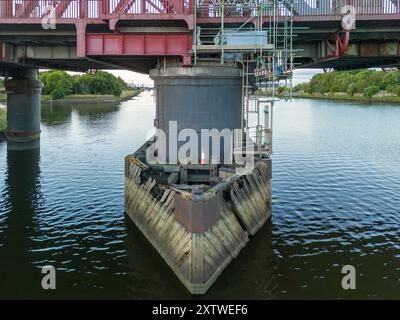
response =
{"points": [[281, 90], [351, 89], [56, 83], [319, 83], [58, 92], [362, 75], [394, 88], [334, 88], [376, 79], [300, 87], [351, 82], [98, 83], [360, 85], [391, 78], [370, 91], [3, 120]]}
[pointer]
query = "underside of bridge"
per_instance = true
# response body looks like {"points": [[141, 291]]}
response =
{"points": [[372, 44], [79, 35]]}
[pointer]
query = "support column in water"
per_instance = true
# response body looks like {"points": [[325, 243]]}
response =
{"points": [[198, 216], [197, 98], [23, 107]]}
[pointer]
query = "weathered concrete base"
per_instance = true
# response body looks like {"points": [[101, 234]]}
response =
{"points": [[197, 233]]}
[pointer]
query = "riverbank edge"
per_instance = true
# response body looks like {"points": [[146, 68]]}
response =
{"points": [[72, 99], [96, 98], [3, 123], [390, 99]]}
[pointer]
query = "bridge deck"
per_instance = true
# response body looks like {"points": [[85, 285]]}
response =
{"points": [[102, 31], [100, 11]]}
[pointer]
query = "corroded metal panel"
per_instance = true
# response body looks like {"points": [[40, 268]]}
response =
{"points": [[139, 44], [369, 50], [388, 49], [197, 215], [201, 98]]}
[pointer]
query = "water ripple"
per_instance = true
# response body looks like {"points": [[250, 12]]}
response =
{"points": [[336, 181]]}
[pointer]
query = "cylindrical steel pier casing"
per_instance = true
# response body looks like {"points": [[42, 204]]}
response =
{"points": [[23, 107], [198, 98]]}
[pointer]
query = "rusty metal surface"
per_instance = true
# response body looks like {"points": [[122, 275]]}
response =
{"points": [[197, 216]]}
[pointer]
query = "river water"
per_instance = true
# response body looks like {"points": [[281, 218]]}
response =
{"points": [[336, 202]]}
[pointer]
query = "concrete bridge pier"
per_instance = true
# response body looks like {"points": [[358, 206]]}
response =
{"points": [[197, 215], [205, 97], [23, 110]]}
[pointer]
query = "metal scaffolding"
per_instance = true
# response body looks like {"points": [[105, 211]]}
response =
{"points": [[262, 46]]}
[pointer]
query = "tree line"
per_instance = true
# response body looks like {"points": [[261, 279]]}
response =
{"points": [[59, 84], [364, 82]]}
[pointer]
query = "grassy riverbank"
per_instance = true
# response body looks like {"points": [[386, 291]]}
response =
{"points": [[96, 87], [86, 98], [75, 99], [344, 97], [92, 98], [361, 86], [3, 122]]}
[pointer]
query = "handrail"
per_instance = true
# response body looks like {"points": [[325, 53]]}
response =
{"points": [[212, 8], [89, 9], [104, 9]]}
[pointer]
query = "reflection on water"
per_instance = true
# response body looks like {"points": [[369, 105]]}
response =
{"points": [[20, 199], [251, 276], [52, 116], [60, 114], [254, 274], [336, 180]]}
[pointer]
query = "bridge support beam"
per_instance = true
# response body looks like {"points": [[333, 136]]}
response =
{"points": [[197, 98], [23, 109], [197, 215]]}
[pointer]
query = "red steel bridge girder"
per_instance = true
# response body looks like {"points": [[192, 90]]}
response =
{"points": [[140, 44], [90, 9], [83, 13], [340, 46]]}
